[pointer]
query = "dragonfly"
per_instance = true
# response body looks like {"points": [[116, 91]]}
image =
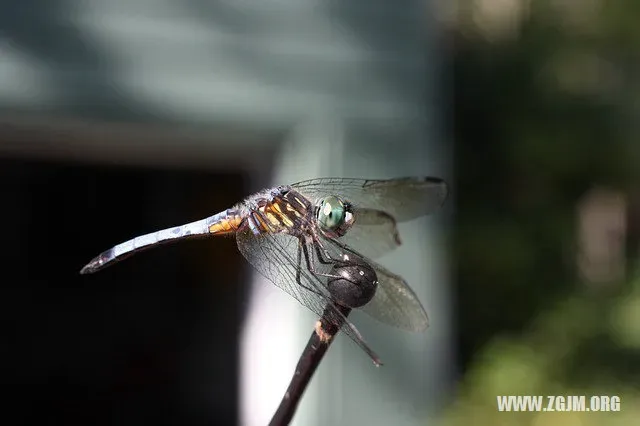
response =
{"points": [[317, 240]]}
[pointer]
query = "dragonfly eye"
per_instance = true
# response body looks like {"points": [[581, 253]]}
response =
{"points": [[331, 213]]}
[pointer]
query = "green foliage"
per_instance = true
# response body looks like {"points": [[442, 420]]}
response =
{"points": [[543, 114], [580, 347]]}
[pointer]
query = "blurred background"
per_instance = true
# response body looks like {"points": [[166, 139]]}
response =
{"points": [[121, 118]]}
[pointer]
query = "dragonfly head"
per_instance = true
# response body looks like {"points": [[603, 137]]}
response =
{"points": [[334, 215]]}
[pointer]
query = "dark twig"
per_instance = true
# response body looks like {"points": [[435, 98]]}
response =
{"points": [[313, 353]]}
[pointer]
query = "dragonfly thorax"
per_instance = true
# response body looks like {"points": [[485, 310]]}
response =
{"points": [[282, 210]]}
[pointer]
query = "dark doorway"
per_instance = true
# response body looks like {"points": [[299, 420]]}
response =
{"points": [[152, 340]]}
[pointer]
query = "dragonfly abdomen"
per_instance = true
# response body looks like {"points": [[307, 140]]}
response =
{"points": [[222, 223], [225, 222]]}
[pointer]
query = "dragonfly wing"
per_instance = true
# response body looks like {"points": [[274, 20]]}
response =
{"points": [[394, 303], [373, 233], [275, 256], [402, 198]]}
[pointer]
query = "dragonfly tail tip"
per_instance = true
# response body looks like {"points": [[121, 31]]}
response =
{"points": [[89, 268]]}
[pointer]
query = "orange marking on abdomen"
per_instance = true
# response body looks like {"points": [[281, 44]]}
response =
{"points": [[225, 226]]}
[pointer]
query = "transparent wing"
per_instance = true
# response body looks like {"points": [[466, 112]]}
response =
{"points": [[373, 233], [403, 198], [394, 303], [275, 256]]}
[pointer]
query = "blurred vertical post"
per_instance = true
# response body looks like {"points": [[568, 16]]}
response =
{"points": [[388, 140], [277, 327]]}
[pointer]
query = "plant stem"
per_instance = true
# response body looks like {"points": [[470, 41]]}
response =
{"points": [[313, 353]]}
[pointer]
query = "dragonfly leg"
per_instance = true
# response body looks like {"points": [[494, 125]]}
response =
{"points": [[321, 259], [299, 268], [301, 244], [318, 246], [339, 244], [310, 267]]}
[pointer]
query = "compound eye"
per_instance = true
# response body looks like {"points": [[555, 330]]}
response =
{"points": [[331, 213]]}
